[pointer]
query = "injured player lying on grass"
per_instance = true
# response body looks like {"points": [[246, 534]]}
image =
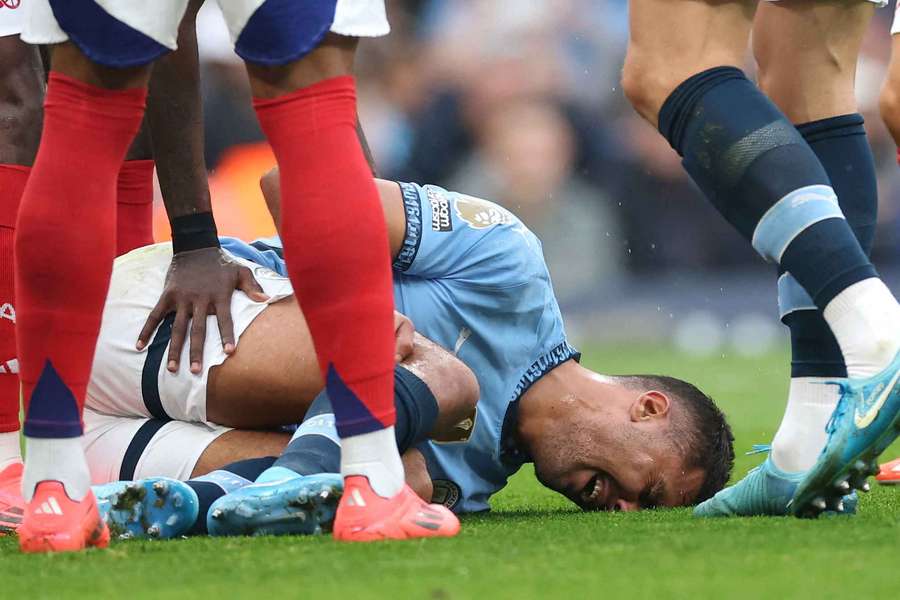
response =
{"points": [[473, 279]]}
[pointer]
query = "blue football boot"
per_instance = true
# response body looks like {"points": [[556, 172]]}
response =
{"points": [[865, 422], [765, 490], [301, 505], [155, 508]]}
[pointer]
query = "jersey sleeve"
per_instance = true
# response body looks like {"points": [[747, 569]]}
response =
{"points": [[266, 252], [452, 236]]}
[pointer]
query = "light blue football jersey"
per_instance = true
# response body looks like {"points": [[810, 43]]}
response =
{"points": [[473, 279]]}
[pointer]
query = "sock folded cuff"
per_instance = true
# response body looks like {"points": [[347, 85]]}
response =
{"points": [[89, 106], [135, 183], [678, 107], [12, 183], [833, 127]]}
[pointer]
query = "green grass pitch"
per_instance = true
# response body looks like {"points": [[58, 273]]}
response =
{"points": [[533, 544]]}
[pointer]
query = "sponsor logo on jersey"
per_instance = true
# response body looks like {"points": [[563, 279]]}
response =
{"points": [[7, 312], [445, 492], [11, 4], [461, 432], [480, 214], [440, 211]]}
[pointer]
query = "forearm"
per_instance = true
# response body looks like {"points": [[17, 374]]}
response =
{"points": [[175, 116]]}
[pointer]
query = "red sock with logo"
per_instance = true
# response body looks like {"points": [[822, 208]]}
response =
{"points": [[336, 246], [12, 182], [134, 206], [65, 245]]}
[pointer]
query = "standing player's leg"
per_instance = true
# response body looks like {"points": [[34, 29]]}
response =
{"points": [[807, 53], [334, 233], [21, 90], [760, 173], [65, 244]]}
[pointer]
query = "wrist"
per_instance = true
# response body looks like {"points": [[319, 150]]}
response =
{"points": [[194, 232]]}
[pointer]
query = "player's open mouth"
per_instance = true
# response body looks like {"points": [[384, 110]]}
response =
{"points": [[594, 495]]}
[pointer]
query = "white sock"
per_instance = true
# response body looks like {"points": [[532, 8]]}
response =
{"points": [[10, 450], [374, 455], [56, 459], [801, 436], [865, 319]]}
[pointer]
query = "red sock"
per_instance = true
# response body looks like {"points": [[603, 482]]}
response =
{"points": [[65, 245], [336, 246], [134, 206], [12, 182]]}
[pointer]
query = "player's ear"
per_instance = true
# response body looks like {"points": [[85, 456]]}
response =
{"points": [[650, 405]]}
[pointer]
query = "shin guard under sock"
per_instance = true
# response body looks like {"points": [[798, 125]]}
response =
{"points": [[65, 244], [841, 146], [336, 245], [760, 173]]}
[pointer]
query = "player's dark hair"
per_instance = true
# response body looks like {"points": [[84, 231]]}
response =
{"points": [[699, 430]]}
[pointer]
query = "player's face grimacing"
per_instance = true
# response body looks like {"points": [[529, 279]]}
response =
{"points": [[611, 447]]}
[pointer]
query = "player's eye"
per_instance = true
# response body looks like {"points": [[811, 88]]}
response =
{"points": [[650, 497]]}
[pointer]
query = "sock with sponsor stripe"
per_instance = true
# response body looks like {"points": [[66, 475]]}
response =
{"points": [[214, 485], [330, 203], [759, 172], [12, 183], [65, 243], [134, 206]]}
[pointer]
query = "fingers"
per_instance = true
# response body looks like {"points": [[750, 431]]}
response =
{"points": [[226, 325], [198, 338], [156, 316], [179, 332], [247, 283]]}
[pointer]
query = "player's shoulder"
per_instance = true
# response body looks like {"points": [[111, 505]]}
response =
{"points": [[476, 231]]}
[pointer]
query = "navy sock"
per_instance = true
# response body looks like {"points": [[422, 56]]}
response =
{"points": [[214, 485], [316, 446], [759, 172], [841, 145]]}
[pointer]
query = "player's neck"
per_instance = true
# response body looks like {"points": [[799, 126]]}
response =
{"points": [[555, 396]]}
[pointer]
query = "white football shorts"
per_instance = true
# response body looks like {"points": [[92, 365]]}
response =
{"points": [[128, 33], [12, 17], [127, 448], [126, 382]]}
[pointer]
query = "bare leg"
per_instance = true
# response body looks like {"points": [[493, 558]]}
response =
{"points": [[672, 40], [807, 52]]}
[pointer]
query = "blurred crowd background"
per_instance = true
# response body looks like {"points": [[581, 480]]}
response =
{"points": [[519, 102]]}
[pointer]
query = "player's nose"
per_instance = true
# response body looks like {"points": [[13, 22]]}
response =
{"points": [[626, 506]]}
